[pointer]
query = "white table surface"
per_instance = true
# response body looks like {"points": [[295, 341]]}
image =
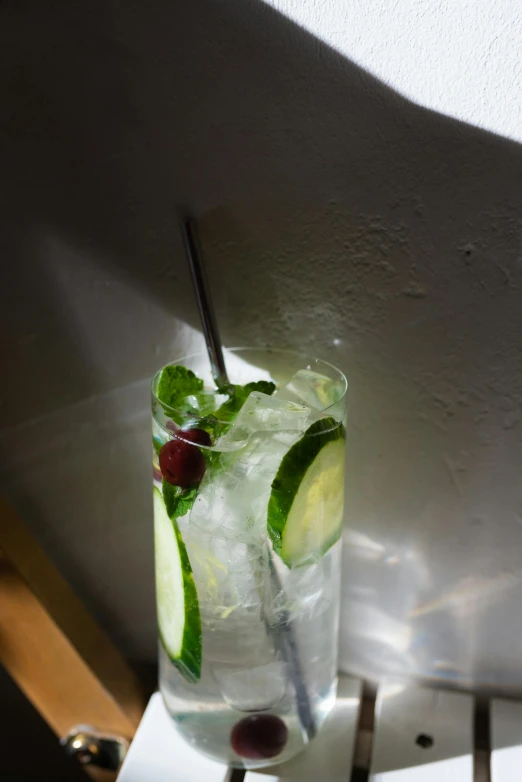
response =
{"points": [[403, 713], [506, 741]]}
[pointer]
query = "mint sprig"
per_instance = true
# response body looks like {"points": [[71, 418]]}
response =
{"points": [[175, 384], [238, 396], [178, 501]]}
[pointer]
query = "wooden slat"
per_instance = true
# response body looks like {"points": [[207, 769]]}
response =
{"points": [[330, 755], [53, 648], [405, 713], [506, 741]]}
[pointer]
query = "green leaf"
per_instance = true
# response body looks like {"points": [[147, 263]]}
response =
{"points": [[175, 384], [157, 444], [178, 501], [229, 410]]}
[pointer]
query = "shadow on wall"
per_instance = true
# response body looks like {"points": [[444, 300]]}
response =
{"points": [[336, 216]]}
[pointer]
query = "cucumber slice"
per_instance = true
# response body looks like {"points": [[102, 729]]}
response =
{"points": [[177, 600], [305, 510]]}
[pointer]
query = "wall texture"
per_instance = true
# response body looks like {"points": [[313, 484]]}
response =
{"points": [[336, 215]]}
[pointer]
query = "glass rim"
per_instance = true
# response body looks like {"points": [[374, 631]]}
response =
{"points": [[281, 351]]}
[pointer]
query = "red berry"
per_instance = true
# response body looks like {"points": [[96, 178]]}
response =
{"points": [[259, 736], [197, 436], [181, 464]]}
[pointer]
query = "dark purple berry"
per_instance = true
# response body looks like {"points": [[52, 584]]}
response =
{"points": [[197, 436], [259, 736], [181, 464]]}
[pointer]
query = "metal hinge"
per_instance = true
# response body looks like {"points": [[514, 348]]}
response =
{"points": [[92, 748]]}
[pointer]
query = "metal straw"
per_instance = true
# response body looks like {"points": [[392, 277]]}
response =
{"points": [[205, 306], [284, 632]]}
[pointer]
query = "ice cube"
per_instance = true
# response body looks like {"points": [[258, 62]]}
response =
{"points": [[229, 577], [312, 389], [254, 688], [233, 496], [306, 592], [225, 505], [264, 413], [203, 403]]}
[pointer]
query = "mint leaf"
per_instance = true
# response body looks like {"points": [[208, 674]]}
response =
{"points": [[175, 384], [178, 501], [229, 410], [157, 444], [263, 386]]}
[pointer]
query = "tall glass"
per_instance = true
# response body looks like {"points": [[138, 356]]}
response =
{"points": [[248, 557]]}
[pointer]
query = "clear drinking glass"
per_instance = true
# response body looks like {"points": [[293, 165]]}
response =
{"points": [[248, 556]]}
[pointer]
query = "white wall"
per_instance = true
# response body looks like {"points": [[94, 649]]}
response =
{"points": [[336, 215], [460, 58]]}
